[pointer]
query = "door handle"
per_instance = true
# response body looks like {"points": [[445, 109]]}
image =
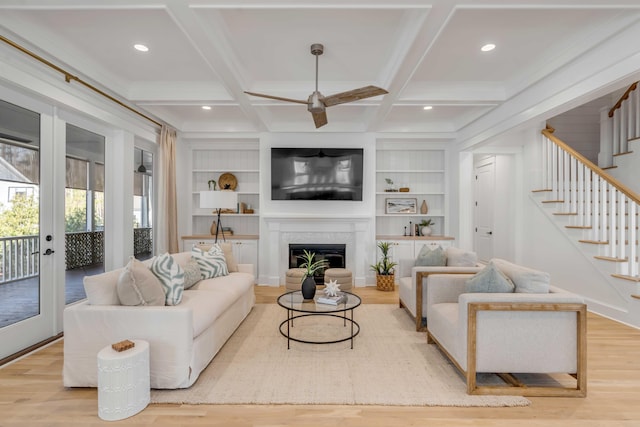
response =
{"points": [[489, 232], [48, 252]]}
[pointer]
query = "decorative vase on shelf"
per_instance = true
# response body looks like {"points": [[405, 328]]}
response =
{"points": [[426, 231], [308, 288], [424, 208]]}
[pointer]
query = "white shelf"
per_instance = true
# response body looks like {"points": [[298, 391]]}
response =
{"points": [[410, 171], [225, 171], [401, 194], [248, 193]]}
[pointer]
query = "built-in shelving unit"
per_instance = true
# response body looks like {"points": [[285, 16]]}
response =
{"points": [[419, 166], [211, 159]]}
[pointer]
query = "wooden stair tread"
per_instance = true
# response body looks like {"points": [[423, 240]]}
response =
{"points": [[565, 213], [541, 190], [625, 277], [608, 167], [637, 138], [624, 153], [594, 242], [579, 227], [553, 201], [635, 296], [608, 258]]}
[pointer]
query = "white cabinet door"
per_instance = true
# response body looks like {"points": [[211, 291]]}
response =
{"points": [[246, 252]]}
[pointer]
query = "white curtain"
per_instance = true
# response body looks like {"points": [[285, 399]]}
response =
{"points": [[167, 229]]}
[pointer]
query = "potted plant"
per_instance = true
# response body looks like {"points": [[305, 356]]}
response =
{"points": [[391, 187], [308, 287], [385, 269], [425, 227]]}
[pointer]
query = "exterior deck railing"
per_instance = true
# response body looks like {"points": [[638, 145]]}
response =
{"points": [[20, 255]]}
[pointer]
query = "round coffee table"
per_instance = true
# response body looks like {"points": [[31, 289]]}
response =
{"points": [[297, 307]]}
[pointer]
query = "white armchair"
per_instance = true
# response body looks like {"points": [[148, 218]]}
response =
{"points": [[413, 297], [509, 334]]}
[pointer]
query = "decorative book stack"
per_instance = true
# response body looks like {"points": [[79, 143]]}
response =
{"points": [[338, 299]]}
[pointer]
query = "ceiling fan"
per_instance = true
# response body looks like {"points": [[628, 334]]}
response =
{"points": [[317, 103]]}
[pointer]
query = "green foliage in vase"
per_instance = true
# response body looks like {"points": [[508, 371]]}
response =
{"points": [[310, 265]]}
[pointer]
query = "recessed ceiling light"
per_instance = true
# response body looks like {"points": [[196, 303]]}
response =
{"points": [[206, 107], [488, 47], [141, 47], [427, 107]]}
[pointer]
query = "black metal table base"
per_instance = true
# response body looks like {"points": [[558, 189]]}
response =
{"points": [[355, 327]]}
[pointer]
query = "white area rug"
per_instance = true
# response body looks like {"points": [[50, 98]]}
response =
{"points": [[390, 364]]}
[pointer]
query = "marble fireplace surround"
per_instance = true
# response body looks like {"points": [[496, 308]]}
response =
{"points": [[352, 231]]}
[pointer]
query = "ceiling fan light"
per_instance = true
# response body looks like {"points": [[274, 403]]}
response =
{"points": [[315, 104]]}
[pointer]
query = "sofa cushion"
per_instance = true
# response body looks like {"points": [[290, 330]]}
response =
{"points": [[137, 285], [490, 279], [457, 257], [526, 280], [428, 257], [101, 289], [171, 276], [212, 263], [191, 273]]}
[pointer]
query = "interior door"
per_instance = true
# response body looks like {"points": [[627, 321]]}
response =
{"points": [[27, 301], [484, 205]]}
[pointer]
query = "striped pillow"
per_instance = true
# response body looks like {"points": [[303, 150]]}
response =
{"points": [[212, 262], [171, 276]]}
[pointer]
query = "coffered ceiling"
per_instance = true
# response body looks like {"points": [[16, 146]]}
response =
{"points": [[209, 52]]}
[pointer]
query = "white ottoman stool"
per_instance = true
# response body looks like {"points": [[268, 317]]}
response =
{"points": [[341, 275], [123, 381]]}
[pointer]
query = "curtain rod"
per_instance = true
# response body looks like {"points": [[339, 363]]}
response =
{"points": [[68, 77]]}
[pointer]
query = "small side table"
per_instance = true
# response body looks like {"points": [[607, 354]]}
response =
{"points": [[123, 381]]}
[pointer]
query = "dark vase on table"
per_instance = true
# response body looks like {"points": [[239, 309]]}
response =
{"points": [[308, 287]]}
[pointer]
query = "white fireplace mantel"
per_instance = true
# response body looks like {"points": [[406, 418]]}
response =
{"points": [[354, 231]]}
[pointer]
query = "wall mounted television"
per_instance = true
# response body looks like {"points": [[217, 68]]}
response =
{"points": [[316, 173]]}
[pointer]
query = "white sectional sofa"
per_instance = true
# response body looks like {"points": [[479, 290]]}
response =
{"points": [[521, 332], [183, 339]]}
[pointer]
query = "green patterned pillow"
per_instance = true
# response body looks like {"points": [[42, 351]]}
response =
{"points": [[212, 262], [171, 276]]}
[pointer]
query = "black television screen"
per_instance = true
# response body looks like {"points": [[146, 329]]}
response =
{"points": [[316, 173]]}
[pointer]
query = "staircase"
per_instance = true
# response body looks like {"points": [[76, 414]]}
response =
{"points": [[594, 209]]}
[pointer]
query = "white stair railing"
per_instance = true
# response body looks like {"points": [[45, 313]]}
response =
{"points": [[604, 207], [626, 120]]}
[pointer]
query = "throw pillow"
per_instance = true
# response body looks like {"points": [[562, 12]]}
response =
{"points": [[227, 249], [137, 285], [431, 257], [490, 279], [171, 276], [212, 262], [457, 257], [191, 273], [101, 288], [527, 280]]}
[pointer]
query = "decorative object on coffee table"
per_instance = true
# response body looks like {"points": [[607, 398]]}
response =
{"points": [[385, 269], [331, 288], [308, 282]]}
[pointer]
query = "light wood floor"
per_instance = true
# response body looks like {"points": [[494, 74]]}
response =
{"points": [[31, 394]]}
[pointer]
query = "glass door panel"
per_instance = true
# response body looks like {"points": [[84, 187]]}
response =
{"points": [[84, 209], [26, 308]]}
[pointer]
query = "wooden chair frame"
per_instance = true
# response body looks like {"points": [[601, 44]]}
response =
{"points": [[580, 390]]}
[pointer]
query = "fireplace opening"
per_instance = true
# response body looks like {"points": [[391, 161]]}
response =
{"points": [[335, 254]]}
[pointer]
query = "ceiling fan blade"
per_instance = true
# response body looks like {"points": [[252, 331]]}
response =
{"points": [[353, 95], [279, 98], [320, 119]]}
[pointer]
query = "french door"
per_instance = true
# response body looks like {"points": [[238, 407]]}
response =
{"points": [[28, 286]]}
